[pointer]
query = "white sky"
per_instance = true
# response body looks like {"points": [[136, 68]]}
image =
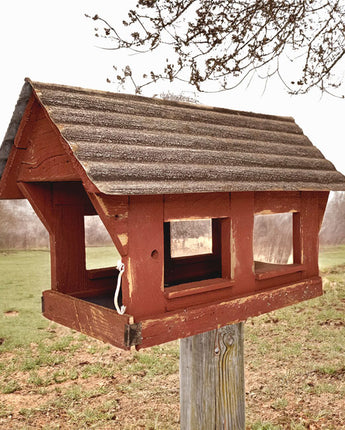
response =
{"points": [[53, 42]]}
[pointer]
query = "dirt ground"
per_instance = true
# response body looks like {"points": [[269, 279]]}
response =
{"points": [[135, 397]]}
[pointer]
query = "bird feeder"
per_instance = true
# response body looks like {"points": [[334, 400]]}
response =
{"points": [[144, 165]]}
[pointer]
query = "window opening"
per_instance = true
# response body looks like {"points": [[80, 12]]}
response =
{"points": [[273, 238], [276, 244], [190, 238], [192, 251], [101, 260], [100, 249]]}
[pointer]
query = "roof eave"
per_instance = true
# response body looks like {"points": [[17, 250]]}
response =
{"points": [[12, 129]]}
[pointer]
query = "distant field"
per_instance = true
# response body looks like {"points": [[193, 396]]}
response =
{"points": [[331, 256], [52, 377]]}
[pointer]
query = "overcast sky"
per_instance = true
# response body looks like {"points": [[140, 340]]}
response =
{"points": [[54, 42]]}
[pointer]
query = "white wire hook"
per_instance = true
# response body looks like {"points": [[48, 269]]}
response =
{"points": [[121, 268]]}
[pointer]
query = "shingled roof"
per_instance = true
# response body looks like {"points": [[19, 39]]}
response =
{"points": [[136, 145]]}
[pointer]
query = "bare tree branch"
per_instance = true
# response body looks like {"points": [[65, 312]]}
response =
{"points": [[214, 41]]}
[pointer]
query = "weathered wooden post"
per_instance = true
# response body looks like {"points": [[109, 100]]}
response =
{"points": [[212, 393]]}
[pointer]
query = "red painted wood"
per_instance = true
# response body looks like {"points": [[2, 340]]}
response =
{"points": [[195, 320], [40, 197], [193, 288], [277, 201], [8, 183], [186, 269], [196, 206], [96, 321], [45, 156], [30, 116], [225, 225], [242, 222], [68, 249], [296, 238], [310, 233], [143, 289], [323, 198], [278, 281], [203, 297], [107, 272], [113, 211], [270, 270], [61, 208], [42, 168], [96, 288]]}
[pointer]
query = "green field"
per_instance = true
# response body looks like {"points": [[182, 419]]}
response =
{"points": [[52, 377]]}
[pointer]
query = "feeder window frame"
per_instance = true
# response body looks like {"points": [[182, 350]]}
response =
{"points": [[206, 271], [265, 270]]}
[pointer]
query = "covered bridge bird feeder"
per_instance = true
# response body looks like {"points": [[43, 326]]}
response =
{"points": [[143, 164]]}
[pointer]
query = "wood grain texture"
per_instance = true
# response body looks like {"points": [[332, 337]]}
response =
{"points": [[192, 288], [242, 224], [271, 202], [270, 270], [61, 207], [88, 318], [68, 248], [14, 153], [323, 199], [199, 319], [40, 197], [19, 113], [113, 211], [310, 233], [143, 279], [212, 393], [196, 206], [45, 157]]}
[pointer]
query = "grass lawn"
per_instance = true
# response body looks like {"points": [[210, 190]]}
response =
{"points": [[54, 378]]}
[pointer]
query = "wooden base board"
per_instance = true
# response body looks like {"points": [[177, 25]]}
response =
{"points": [[89, 318], [124, 331], [191, 321]]}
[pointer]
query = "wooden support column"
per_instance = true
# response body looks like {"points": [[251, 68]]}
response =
{"points": [[61, 207], [242, 225], [309, 225], [143, 279], [212, 393], [67, 247]]}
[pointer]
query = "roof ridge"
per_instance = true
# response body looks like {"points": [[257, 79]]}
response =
{"points": [[36, 84]]}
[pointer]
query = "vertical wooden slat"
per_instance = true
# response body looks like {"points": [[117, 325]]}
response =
{"points": [[68, 249], [310, 233], [226, 247], [40, 197], [296, 238], [61, 206], [143, 279], [212, 393], [323, 198], [242, 224], [113, 211]]}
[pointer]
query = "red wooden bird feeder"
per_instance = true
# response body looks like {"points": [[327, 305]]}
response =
{"points": [[142, 165]]}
